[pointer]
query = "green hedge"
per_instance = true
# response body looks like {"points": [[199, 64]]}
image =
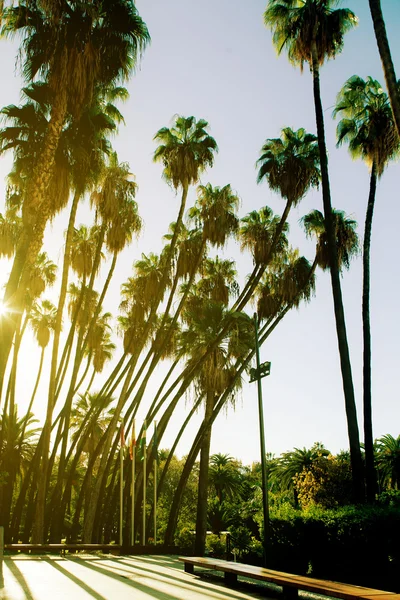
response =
{"points": [[351, 545]]}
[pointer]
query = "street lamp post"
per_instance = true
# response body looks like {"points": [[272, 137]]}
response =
{"points": [[262, 370]]}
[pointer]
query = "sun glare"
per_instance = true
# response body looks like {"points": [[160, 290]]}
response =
{"points": [[3, 309]]}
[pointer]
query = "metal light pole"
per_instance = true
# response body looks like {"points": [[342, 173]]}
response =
{"points": [[262, 370]]}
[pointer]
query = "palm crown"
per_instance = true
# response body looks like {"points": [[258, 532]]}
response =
{"points": [[186, 150], [308, 26], [290, 164], [368, 124]]}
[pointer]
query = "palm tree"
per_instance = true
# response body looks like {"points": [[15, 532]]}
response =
{"points": [[213, 378], [290, 165], [312, 31], [93, 429], [290, 464], [369, 129], [186, 150], [388, 460], [386, 58], [218, 280], [347, 242], [73, 59], [42, 320], [284, 285], [257, 232], [347, 245], [16, 451], [224, 476]]}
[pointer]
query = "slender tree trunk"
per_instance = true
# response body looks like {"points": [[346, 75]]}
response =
{"points": [[94, 498], [61, 299], [351, 412], [202, 495], [386, 58], [370, 474], [33, 393]]}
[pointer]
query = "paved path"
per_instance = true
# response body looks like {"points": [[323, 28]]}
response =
{"points": [[88, 577]]}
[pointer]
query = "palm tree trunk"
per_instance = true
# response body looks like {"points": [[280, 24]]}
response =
{"points": [[171, 453], [386, 58], [33, 393], [351, 412], [94, 498], [202, 495], [370, 475], [61, 299]]}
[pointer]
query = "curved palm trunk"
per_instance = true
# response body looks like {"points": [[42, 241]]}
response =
{"points": [[172, 453], [61, 299], [202, 495], [33, 393], [351, 413], [370, 474], [386, 58], [93, 375]]}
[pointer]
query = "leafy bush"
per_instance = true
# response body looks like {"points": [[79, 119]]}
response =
{"points": [[215, 545], [351, 544], [185, 539]]}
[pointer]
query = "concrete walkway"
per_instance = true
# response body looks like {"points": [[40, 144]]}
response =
{"points": [[88, 577]]}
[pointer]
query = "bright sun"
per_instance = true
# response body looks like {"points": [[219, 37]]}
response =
{"points": [[3, 309]]}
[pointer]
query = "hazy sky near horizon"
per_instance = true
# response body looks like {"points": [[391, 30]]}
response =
{"points": [[216, 61]]}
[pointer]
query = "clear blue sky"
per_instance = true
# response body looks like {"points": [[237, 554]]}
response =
{"points": [[215, 60]]}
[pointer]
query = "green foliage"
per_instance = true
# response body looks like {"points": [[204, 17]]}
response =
{"points": [[185, 539], [350, 544], [241, 540], [327, 482], [215, 545]]}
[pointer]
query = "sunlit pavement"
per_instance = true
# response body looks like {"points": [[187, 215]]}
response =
{"points": [[85, 577]]}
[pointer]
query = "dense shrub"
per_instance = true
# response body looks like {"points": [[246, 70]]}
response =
{"points": [[357, 545]]}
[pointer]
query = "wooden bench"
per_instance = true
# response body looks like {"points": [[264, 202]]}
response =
{"points": [[61, 548], [290, 583]]}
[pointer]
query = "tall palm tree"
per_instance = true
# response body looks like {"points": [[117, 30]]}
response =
{"points": [[186, 150], [214, 377], [75, 47], [290, 165], [93, 428], [347, 242], [313, 31], [257, 232], [386, 58], [42, 320], [369, 129]]}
